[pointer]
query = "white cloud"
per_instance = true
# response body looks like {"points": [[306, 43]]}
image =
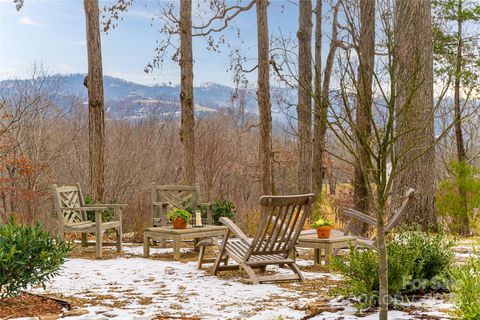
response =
{"points": [[27, 21]]}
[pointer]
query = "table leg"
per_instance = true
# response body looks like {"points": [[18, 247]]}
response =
{"points": [[195, 243], [316, 256], [176, 248], [146, 246], [328, 254]]}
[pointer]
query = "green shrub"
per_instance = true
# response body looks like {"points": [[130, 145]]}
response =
{"points": [[466, 289], [222, 208], [416, 262], [28, 256], [448, 199], [107, 215]]}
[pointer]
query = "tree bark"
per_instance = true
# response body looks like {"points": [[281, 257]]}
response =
{"points": [[317, 105], [366, 54], [321, 121], [263, 95], [462, 221], [415, 110], [96, 116], [187, 129], [304, 106], [382, 261]]}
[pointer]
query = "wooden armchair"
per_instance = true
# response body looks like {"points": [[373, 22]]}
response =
{"points": [[371, 221], [71, 212], [281, 222], [168, 197]]}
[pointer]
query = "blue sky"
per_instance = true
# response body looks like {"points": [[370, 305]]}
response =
{"points": [[52, 32]]}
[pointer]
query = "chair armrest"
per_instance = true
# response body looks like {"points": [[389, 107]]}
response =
{"points": [[109, 205], [235, 229], [204, 204], [85, 208], [160, 204], [359, 216]]}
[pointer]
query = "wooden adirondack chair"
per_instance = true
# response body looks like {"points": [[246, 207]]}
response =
{"points": [[392, 222], [167, 197], [72, 216], [281, 222]]}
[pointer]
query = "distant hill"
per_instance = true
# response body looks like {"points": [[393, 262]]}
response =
{"points": [[129, 99]]}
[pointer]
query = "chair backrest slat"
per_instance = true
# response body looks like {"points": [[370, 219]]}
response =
{"points": [[281, 222], [177, 196], [397, 217], [69, 197]]}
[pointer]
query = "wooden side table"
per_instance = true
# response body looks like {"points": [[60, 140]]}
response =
{"points": [[178, 235], [328, 245]]}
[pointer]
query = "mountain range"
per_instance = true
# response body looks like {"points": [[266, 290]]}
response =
{"points": [[133, 100]]}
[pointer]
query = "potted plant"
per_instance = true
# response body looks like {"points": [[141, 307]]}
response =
{"points": [[179, 218], [323, 226]]}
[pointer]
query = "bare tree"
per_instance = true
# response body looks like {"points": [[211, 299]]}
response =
{"points": [[187, 130], [263, 94], [304, 106], [322, 105], [366, 57], [317, 111], [415, 108], [94, 84]]}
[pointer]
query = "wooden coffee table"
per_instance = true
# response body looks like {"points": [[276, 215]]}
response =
{"points": [[324, 248], [177, 235]]}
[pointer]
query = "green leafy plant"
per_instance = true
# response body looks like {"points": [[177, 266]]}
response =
{"points": [[179, 213], [28, 256], [449, 200], [466, 289], [321, 222], [222, 208], [416, 262], [107, 215]]}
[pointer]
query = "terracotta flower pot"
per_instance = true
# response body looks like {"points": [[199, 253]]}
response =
{"points": [[179, 223], [324, 232]]}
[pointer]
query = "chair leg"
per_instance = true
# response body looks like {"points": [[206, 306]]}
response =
{"points": [[98, 244], [297, 271], [146, 246], [250, 273], [220, 253], [200, 257], [84, 240], [119, 239]]}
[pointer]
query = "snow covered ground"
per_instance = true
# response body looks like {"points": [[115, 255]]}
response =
{"points": [[131, 287]]}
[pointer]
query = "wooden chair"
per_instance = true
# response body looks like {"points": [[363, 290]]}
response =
{"points": [[72, 216], [391, 224], [281, 222], [167, 197], [371, 221]]}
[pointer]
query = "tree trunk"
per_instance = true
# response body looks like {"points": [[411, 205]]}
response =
{"points": [[263, 94], [382, 263], [462, 221], [366, 50], [317, 146], [96, 116], [187, 130], [321, 113], [304, 107], [415, 110]]}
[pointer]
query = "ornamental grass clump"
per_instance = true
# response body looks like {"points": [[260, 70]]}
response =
{"points": [[28, 256]]}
